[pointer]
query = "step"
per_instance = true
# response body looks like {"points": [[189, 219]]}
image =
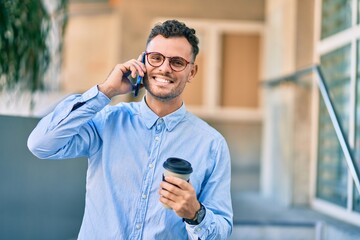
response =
{"points": [[275, 231]]}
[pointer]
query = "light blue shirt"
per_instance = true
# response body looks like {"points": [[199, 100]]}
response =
{"points": [[126, 146]]}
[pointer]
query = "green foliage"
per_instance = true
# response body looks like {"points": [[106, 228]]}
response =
{"points": [[24, 50]]}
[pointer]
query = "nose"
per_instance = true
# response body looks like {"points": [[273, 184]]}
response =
{"points": [[165, 67]]}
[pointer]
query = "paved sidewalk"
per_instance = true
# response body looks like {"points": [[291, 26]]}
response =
{"points": [[258, 218]]}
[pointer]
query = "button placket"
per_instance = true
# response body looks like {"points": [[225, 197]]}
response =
{"points": [[149, 175]]}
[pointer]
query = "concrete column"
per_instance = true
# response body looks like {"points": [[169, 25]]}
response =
{"points": [[285, 161]]}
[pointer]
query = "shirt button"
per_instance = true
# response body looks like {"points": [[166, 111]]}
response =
{"points": [[151, 165], [157, 138], [138, 226], [144, 196], [197, 230]]}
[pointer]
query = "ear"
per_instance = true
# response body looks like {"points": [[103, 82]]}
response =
{"points": [[192, 73]]}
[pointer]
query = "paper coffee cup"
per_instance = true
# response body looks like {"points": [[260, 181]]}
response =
{"points": [[177, 167]]}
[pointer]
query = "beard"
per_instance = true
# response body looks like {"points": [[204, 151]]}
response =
{"points": [[162, 96]]}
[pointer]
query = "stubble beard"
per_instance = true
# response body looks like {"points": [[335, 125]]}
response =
{"points": [[165, 97]]}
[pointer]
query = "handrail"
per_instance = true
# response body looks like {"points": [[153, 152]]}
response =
{"points": [[353, 168], [288, 78]]}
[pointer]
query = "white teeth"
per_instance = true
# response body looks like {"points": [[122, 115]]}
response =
{"points": [[162, 80]]}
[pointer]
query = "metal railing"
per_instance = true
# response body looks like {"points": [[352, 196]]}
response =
{"points": [[353, 168]]}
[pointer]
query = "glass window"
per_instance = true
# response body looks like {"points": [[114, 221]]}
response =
{"points": [[358, 12], [336, 16], [356, 200], [332, 168], [336, 68]]}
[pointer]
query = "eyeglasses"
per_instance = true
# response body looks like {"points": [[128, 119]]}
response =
{"points": [[156, 59]]}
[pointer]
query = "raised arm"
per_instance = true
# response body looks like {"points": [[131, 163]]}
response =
{"points": [[69, 131]]}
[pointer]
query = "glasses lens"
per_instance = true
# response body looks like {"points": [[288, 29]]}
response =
{"points": [[178, 63], [155, 59]]}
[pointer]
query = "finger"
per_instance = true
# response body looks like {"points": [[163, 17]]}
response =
{"points": [[135, 68], [141, 56], [182, 184], [167, 198], [170, 188], [120, 68], [118, 72], [168, 195], [140, 68], [140, 61], [167, 202]]}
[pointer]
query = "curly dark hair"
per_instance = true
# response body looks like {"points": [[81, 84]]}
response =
{"points": [[174, 28]]}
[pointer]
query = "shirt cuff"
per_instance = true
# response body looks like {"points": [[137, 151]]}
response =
{"points": [[201, 229], [93, 99], [92, 94]]}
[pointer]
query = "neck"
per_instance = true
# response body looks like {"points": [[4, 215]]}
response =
{"points": [[163, 108]]}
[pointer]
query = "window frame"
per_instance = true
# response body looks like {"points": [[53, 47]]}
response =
{"points": [[322, 46]]}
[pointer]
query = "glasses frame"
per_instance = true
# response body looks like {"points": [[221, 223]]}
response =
{"points": [[170, 58]]}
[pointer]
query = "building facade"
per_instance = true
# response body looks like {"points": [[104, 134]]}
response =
{"points": [[281, 137]]}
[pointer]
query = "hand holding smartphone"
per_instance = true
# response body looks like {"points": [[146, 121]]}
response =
{"points": [[139, 79]]}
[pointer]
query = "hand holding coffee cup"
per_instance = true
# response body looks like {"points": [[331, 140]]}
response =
{"points": [[177, 167]]}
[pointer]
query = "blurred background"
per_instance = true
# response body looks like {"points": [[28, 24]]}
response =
{"points": [[290, 179]]}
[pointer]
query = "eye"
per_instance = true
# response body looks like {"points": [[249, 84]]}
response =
{"points": [[156, 57], [178, 62]]}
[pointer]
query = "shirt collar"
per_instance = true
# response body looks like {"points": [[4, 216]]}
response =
{"points": [[170, 120]]}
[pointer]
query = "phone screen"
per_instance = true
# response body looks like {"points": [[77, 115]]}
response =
{"points": [[139, 79]]}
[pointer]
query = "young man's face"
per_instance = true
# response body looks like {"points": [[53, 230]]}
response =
{"points": [[163, 83]]}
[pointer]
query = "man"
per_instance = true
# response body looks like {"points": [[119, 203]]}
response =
{"points": [[127, 144]]}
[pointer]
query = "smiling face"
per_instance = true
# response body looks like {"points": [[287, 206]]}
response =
{"points": [[162, 83]]}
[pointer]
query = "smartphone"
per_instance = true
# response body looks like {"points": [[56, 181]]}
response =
{"points": [[139, 79]]}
